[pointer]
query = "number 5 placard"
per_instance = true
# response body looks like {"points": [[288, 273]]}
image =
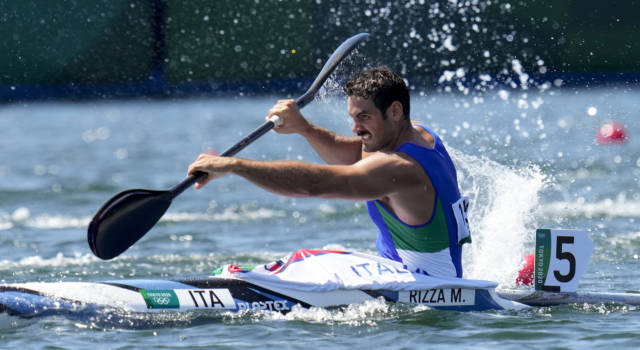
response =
{"points": [[561, 258]]}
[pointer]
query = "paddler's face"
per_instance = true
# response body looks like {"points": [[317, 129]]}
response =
{"points": [[368, 123]]}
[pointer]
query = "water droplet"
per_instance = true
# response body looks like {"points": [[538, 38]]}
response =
{"points": [[121, 153], [20, 214]]}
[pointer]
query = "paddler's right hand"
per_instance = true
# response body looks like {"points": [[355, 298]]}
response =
{"points": [[291, 119], [211, 164]]}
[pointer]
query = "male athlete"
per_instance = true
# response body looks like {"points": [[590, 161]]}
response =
{"points": [[402, 170]]}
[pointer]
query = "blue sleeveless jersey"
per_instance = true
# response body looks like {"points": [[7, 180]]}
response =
{"points": [[432, 248]]}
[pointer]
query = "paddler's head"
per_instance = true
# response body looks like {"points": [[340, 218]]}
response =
{"points": [[378, 102]]}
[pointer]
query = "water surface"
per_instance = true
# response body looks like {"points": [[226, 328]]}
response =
{"points": [[527, 159]]}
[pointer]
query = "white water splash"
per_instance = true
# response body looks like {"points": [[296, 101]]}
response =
{"points": [[502, 220], [49, 221], [366, 313], [37, 261], [229, 214], [522, 75], [5, 225]]}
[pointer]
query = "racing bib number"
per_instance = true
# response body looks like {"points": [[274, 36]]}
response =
{"points": [[460, 211], [561, 258]]}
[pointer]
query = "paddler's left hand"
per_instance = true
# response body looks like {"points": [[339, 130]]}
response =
{"points": [[211, 164]]}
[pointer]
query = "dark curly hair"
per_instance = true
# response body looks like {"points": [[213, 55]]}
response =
{"points": [[381, 85]]}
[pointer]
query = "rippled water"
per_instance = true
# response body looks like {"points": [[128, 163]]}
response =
{"points": [[527, 159]]}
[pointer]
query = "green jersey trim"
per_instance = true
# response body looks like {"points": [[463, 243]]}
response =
{"points": [[431, 237]]}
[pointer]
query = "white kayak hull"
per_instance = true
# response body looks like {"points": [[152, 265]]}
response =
{"points": [[107, 303], [208, 293]]}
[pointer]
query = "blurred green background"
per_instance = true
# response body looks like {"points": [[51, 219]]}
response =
{"points": [[107, 48]]}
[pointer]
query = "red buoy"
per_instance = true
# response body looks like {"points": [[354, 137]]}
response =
{"points": [[525, 276], [611, 132]]}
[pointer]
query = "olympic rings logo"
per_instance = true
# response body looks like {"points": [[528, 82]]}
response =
{"points": [[162, 300]]}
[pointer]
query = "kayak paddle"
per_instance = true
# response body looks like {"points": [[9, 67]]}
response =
{"points": [[129, 215]]}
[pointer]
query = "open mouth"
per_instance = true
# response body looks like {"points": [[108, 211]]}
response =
{"points": [[364, 135]]}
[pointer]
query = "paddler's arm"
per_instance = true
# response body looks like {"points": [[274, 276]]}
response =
{"points": [[332, 147], [373, 177]]}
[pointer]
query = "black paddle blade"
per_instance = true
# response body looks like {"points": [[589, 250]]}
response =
{"points": [[124, 219]]}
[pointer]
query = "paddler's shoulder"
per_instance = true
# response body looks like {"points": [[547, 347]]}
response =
{"points": [[421, 136], [380, 157]]}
